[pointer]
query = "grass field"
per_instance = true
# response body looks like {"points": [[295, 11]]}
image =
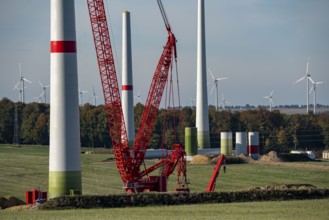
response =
{"points": [[307, 209], [26, 167]]}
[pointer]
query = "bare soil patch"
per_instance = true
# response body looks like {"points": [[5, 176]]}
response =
{"points": [[201, 159], [9, 201]]}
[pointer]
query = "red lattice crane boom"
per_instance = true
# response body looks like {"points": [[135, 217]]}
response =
{"points": [[129, 166], [110, 87]]}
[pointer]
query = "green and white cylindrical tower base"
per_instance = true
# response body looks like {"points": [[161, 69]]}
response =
{"points": [[64, 146], [191, 141], [226, 143], [203, 140], [64, 183]]}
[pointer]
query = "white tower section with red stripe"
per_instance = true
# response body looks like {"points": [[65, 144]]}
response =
{"points": [[202, 117], [127, 79], [64, 149]]}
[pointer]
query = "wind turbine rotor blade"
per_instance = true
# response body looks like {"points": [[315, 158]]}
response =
{"points": [[218, 79], [212, 89], [299, 80], [41, 84], [311, 90], [307, 65], [311, 79], [318, 83], [26, 80], [212, 75], [16, 86], [271, 93], [266, 97], [20, 71]]}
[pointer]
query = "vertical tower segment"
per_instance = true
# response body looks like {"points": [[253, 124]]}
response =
{"points": [[127, 79], [202, 118], [64, 149]]}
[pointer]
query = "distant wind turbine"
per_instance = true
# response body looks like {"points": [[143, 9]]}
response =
{"points": [[315, 84], [81, 98], [270, 100], [20, 90], [224, 102], [94, 96], [138, 97], [306, 76], [44, 92], [21, 81], [215, 85]]}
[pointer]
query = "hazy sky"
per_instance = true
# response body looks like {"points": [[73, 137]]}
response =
{"points": [[261, 45]]}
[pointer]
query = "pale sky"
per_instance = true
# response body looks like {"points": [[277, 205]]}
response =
{"points": [[260, 45]]}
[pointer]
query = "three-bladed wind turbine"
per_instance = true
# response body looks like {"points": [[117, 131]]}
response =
{"points": [[215, 86], [21, 81], [313, 88], [44, 92], [306, 76], [270, 100], [94, 96], [81, 98]]}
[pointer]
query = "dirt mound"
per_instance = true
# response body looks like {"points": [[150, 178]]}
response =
{"points": [[9, 201], [285, 186], [201, 159], [272, 156]]}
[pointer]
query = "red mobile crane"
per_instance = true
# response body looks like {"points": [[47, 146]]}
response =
{"points": [[129, 163]]}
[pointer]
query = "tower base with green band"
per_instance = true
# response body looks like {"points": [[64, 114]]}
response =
{"points": [[203, 140], [62, 182]]}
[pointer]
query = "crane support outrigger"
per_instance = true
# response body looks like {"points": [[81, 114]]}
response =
{"points": [[129, 163]]}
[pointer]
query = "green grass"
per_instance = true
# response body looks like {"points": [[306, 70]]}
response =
{"points": [[307, 209], [26, 167]]}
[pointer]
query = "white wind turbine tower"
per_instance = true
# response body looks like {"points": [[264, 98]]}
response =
{"points": [[306, 76], [270, 100], [315, 84], [81, 98], [215, 85], [44, 92], [21, 81]]}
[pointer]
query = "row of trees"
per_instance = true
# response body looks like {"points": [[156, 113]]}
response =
{"points": [[279, 132]]}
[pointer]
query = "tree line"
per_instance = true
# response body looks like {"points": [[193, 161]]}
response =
{"points": [[277, 131]]}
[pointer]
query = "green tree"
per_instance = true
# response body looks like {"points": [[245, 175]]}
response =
{"points": [[7, 117]]}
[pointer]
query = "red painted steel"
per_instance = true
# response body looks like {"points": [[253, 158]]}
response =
{"points": [[63, 47], [212, 183], [110, 88], [127, 87], [129, 168], [253, 149]]}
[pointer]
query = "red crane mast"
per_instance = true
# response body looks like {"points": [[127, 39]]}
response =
{"points": [[129, 167]]}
